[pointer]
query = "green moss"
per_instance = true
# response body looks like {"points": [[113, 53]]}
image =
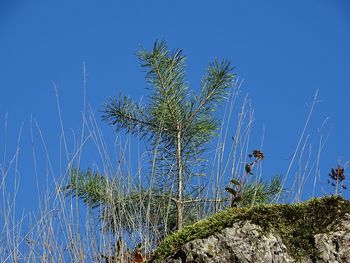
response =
{"points": [[295, 223]]}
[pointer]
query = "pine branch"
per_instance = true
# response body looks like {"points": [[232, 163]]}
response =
{"points": [[166, 74], [126, 114], [89, 186], [214, 88]]}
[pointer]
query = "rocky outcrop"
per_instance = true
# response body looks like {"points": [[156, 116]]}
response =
{"points": [[316, 231], [243, 242]]}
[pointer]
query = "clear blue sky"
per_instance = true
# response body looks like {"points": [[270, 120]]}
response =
{"points": [[284, 50]]}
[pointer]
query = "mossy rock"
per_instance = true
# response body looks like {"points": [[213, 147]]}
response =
{"points": [[296, 224]]}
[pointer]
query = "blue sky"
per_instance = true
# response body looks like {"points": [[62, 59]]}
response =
{"points": [[283, 50]]}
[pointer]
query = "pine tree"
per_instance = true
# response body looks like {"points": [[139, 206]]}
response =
{"points": [[176, 122]]}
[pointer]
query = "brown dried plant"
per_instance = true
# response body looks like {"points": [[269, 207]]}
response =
{"points": [[237, 191], [338, 176]]}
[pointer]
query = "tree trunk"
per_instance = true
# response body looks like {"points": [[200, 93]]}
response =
{"points": [[179, 204]]}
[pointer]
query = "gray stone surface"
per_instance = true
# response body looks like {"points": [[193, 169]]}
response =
{"points": [[245, 242], [335, 246]]}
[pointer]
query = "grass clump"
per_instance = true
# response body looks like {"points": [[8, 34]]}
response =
{"points": [[297, 224]]}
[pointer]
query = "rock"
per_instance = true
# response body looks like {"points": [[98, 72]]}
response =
{"points": [[243, 242], [279, 233], [335, 246]]}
